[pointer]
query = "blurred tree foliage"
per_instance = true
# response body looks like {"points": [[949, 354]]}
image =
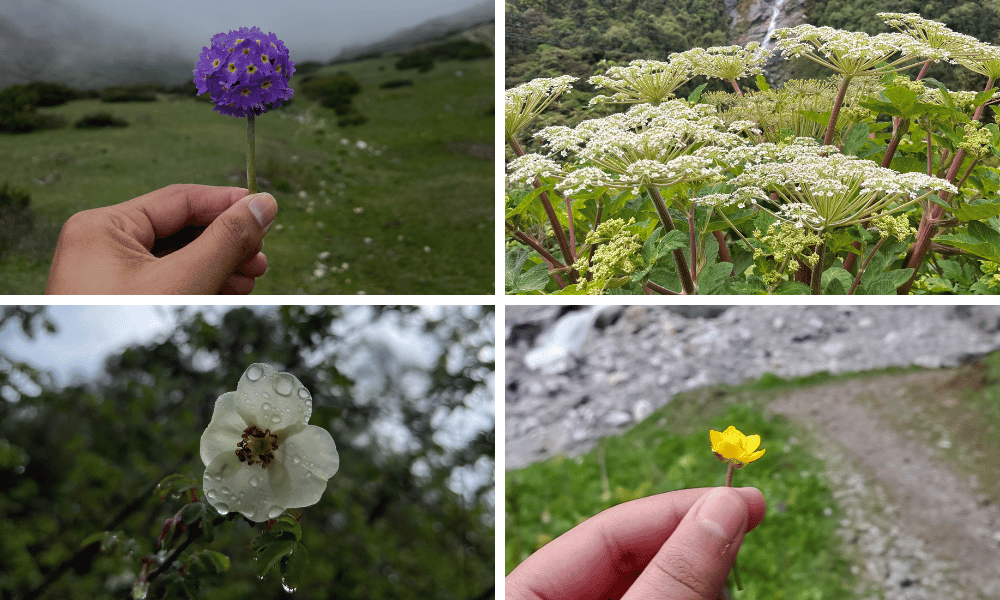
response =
{"points": [[548, 38], [85, 459]]}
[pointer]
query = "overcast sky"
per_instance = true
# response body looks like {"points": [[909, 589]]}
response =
{"points": [[315, 28]]}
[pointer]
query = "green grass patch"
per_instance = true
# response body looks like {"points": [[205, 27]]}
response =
{"points": [[404, 212], [794, 553]]}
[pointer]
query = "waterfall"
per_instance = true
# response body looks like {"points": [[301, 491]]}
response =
{"points": [[773, 23]]}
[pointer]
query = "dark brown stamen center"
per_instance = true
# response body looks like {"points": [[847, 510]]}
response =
{"points": [[257, 445]]}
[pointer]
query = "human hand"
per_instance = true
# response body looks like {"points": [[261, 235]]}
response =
{"points": [[150, 244], [678, 545]]}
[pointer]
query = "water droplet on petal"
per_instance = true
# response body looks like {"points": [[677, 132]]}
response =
{"points": [[284, 384], [296, 459], [254, 372], [226, 491], [222, 507], [265, 394], [249, 513], [303, 393], [254, 480], [211, 494], [274, 511], [275, 419], [265, 407]]}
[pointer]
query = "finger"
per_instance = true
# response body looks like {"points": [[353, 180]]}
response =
{"points": [[695, 561], [232, 239], [166, 211], [603, 555], [255, 267], [238, 284]]}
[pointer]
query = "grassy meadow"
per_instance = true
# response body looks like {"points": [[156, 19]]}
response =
{"points": [[401, 204], [795, 552]]}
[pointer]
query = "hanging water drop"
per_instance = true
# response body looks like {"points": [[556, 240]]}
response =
{"points": [[274, 511], [275, 419], [254, 481], [296, 459], [265, 407], [303, 393], [222, 507]]}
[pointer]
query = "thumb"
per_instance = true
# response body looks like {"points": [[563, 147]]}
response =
{"points": [[695, 561], [233, 238]]}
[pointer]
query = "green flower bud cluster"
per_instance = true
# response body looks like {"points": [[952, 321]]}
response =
{"points": [[611, 263], [788, 242], [898, 226], [978, 141]]}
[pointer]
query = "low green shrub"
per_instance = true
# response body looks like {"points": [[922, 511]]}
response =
{"points": [[99, 121]]}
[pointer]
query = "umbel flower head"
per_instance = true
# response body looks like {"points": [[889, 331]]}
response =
{"points": [[245, 71], [260, 454], [732, 445]]}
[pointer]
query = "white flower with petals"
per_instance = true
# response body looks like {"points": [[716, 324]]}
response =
{"points": [[260, 454]]}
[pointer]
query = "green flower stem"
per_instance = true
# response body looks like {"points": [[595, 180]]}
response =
{"points": [[736, 569], [597, 222], [564, 247], [251, 156], [832, 127], [668, 225]]}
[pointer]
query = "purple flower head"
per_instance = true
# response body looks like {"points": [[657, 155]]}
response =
{"points": [[245, 72]]}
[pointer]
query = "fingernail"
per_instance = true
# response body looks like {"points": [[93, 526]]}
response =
{"points": [[720, 514], [264, 207]]}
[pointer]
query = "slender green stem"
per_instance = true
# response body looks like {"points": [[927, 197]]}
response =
{"points": [[251, 156], [736, 569]]}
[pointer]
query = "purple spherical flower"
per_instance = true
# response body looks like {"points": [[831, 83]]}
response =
{"points": [[245, 71]]}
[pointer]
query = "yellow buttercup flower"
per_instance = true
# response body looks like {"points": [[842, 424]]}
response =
{"points": [[732, 445]]}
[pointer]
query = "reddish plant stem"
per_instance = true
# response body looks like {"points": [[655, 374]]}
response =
{"points": [[930, 160], [923, 70], [554, 262], [972, 166], [736, 88], [597, 221], [659, 289], [693, 240], [816, 282], [668, 225], [927, 228], [567, 252], [572, 234], [864, 265], [832, 127]]}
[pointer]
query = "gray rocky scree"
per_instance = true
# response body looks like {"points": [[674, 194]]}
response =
{"points": [[576, 374]]}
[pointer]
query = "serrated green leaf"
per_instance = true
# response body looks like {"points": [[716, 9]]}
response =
{"points": [[713, 279], [901, 97], [517, 280], [978, 238], [855, 138], [271, 554], [885, 283], [762, 83], [836, 280], [793, 288], [977, 210]]}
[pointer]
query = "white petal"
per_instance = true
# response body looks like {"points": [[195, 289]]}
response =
{"points": [[272, 400], [309, 457], [231, 485], [224, 431]]}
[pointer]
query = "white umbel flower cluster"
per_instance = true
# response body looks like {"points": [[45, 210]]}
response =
{"points": [[526, 101], [728, 62], [854, 53], [642, 81]]}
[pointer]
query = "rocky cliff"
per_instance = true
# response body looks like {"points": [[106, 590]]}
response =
{"points": [[756, 20]]}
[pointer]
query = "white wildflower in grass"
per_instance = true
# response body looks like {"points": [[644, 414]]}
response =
{"points": [[824, 192], [642, 81], [526, 101], [261, 456]]}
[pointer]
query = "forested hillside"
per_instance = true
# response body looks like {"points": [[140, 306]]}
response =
{"points": [[547, 38]]}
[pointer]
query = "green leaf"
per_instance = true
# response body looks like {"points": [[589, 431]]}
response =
{"points": [[195, 511], [517, 280], [855, 138], [714, 279], [296, 567], [901, 97], [977, 210], [762, 83], [93, 538], [978, 238], [945, 96], [524, 204], [174, 485], [271, 554], [885, 283], [696, 94], [884, 108], [287, 523], [793, 288], [208, 562], [816, 117], [836, 280]]}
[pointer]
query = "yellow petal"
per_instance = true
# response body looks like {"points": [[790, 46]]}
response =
{"points": [[751, 443], [754, 456], [716, 437]]}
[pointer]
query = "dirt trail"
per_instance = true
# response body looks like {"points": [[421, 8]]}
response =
{"points": [[921, 528]]}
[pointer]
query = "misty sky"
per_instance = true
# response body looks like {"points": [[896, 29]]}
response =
{"points": [[315, 28]]}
